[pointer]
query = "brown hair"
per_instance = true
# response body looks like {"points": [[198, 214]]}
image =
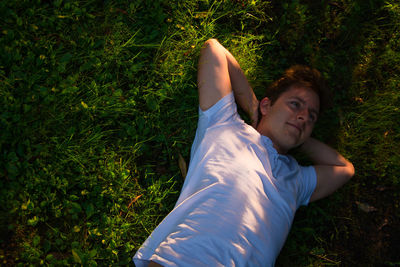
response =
{"points": [[299, 76]]}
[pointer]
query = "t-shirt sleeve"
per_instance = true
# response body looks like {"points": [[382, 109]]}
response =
{"points": [[307, 182], [224, 111]]}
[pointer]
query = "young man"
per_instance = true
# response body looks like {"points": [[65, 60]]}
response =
{"points": [[242, 189]]}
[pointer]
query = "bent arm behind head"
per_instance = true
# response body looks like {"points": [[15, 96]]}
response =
{"points": [[218, 74], [332, 169]]}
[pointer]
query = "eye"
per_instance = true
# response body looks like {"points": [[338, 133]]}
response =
{"points": [[312, 117], [295, 104]]}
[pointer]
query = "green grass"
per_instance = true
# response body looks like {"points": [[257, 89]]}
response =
{"points": [[98, 100]]}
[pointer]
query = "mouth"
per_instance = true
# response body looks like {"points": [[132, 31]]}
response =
{"points": [[295, 126]]}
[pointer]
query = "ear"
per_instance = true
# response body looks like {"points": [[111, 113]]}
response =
{"points": [[265, 104]]}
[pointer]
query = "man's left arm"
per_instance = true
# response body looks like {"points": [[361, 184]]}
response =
{"points": [[218, 74], [332, 169]]}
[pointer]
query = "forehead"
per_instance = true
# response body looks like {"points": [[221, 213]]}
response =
{"points": [[305, 95]]}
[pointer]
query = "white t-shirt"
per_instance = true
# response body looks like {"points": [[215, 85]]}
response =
{"points": [[238, 201]]}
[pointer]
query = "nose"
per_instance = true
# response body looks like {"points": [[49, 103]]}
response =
{"points": [[302, 115]]}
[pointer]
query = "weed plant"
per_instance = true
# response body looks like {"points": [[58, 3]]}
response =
{"points": [[99, 102]]}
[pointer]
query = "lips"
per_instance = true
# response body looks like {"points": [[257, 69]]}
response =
{"points": [[295, 126]]}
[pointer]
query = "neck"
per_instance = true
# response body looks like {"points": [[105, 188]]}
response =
{"points": [[262, 131]]}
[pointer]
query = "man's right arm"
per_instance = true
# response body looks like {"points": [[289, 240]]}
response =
{"points": [[332, 169], [218, 74]]}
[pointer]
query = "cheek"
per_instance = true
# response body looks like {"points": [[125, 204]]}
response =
{"points": [[309, 129]]}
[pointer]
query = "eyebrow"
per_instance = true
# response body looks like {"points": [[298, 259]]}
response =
{"points": [[303, 102]]}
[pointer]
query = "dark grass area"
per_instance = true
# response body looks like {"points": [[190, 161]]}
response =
{"points": [[99, 101]]}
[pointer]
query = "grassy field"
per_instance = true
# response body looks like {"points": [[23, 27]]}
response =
{"points": [[99, 108]]}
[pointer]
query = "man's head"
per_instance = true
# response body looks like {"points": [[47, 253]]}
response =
{"points": [[299, 76], [291, 108]]}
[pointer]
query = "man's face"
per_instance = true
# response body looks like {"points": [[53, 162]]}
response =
{"points": [[290, 120]]}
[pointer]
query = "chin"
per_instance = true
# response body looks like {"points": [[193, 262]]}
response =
{"points": [[288, 143]]}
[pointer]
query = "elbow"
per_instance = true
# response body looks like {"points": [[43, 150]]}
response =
{"points": [[350, 171], [209, 48], [210, 43]]}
